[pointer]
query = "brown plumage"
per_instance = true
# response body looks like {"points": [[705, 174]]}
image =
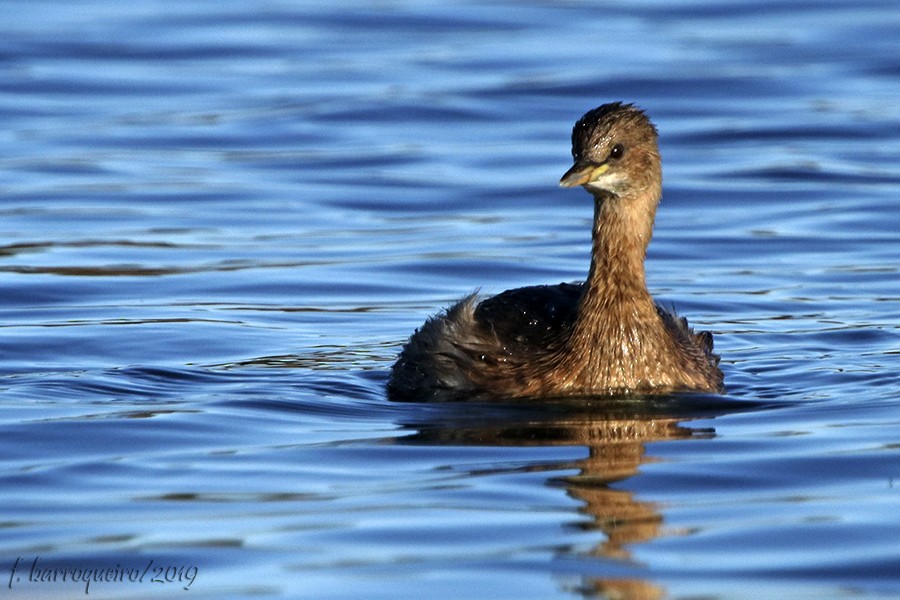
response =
{"points": [[604, 336]]}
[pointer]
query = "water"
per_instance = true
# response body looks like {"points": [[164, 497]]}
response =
{"points": [[220, 220]]}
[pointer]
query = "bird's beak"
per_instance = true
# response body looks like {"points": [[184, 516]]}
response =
{"points": [[583, 173]]}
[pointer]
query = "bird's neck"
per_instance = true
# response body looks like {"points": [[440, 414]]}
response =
{"points": [[620, 236], [616, 309]]}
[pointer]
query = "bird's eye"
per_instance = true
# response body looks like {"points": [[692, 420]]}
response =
{"points": [[617, 152]]}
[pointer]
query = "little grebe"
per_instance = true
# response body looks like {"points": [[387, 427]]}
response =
{"points": [[605, 336]]}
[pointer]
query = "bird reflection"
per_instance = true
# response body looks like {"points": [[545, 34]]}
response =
{"points": [[616, 451], [615, 437]]}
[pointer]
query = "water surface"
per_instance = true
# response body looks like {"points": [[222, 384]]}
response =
{"points": [[221, 220]]}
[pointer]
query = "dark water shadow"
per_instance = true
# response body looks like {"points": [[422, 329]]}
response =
{"points": [[615, 433]]}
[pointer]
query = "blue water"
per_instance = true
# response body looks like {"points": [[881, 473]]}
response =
{"points": [[221, 220]]}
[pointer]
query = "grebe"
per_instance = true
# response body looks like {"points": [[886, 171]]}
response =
{"points": [[604, 336]]}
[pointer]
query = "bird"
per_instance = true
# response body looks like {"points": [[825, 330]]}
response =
{"points": [[605, 336]]}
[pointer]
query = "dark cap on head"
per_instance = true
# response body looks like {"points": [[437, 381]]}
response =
{"points": [[596, 125]]}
